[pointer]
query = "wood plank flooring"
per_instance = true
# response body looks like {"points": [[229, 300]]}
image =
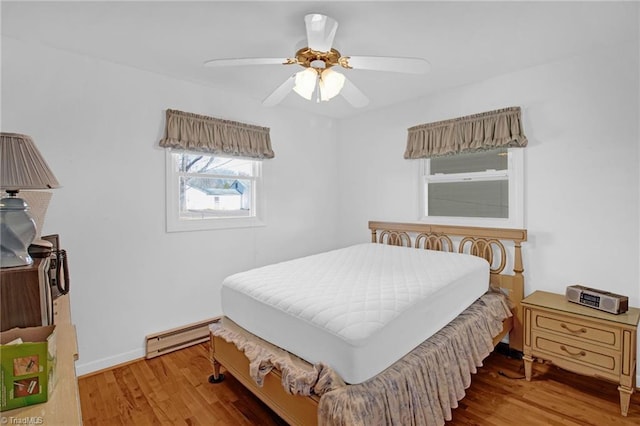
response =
{"points": [[173, 390]]}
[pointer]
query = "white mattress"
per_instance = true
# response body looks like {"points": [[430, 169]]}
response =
{"points": [[357, 309]]}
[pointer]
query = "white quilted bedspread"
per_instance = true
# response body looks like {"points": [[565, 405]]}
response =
{"points": [[357, 309], [355, 291]]}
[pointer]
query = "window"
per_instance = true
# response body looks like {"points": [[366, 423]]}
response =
{"points": [[482, 188], [211, 192]]}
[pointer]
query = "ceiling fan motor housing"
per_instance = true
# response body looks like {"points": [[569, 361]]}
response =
{"points": [[308, 58]]}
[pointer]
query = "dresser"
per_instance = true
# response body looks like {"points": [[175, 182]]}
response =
{"points": [[63, 406], [581, 339]]}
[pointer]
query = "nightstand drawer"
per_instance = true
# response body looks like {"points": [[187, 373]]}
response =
{"points": [[607, 361], [579, 329]]}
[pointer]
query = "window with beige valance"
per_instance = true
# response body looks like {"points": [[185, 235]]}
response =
{"points": [[485, 131], [194, 132], [213, 172]]}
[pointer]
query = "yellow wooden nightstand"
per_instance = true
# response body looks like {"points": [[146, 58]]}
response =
{"points": [[582, 339]]}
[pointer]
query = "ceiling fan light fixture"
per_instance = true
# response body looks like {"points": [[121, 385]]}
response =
{"points": [[331, 83], [306, 83], [317, 56]]}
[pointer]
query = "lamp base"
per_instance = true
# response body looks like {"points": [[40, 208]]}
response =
{"points": [[17, 231]]}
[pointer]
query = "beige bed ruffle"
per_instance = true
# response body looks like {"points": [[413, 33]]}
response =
{"points": [[419, 389], [298, 376], [422, 387]]}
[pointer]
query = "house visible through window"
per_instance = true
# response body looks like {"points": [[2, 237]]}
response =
{"points": [[483, 187], [208, 191]]}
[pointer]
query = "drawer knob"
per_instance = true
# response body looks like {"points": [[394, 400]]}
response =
{"points": [[579, 330], [581, 353]]}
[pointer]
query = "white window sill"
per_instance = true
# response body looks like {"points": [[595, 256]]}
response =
{"points": [[212, 224]]}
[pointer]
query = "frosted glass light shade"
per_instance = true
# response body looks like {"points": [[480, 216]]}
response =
{"points": [[306, 83], [331, 84]]}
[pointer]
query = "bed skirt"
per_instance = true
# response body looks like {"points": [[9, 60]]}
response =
{"points": [[419, 389]]}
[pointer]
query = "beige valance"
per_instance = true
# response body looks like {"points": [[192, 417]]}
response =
{"points": [[193, 132], [488, 130]]}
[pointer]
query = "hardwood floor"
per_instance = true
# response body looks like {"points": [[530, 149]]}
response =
{"points": [[173, 390]]}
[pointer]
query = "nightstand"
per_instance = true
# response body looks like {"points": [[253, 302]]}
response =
{"points": [[581, 339]]}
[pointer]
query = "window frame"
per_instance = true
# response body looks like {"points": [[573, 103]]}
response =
{"points": [[515, 177], [174, 223]]}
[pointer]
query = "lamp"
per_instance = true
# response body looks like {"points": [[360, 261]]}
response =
{"points": [[21, 167], [329, 83]]}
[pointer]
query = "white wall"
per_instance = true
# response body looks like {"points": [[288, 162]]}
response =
{"points": [[98, 125]]}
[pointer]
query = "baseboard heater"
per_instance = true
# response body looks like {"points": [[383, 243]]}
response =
{"points": [[178, 338]]}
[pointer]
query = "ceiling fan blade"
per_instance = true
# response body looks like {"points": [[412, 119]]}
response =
{"points": [[321, 31], [245, 61], [386, 63], [281, 92], [353, 95]]}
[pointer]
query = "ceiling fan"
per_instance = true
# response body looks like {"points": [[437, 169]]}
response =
{"points": [[318, 59]]}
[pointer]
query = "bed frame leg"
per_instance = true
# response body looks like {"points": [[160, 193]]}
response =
{"points": [[217, 376]]}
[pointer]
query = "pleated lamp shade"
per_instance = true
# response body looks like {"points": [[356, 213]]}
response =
{"points": [[22, 165]]}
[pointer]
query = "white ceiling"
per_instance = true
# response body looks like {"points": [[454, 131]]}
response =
{"points": [[464, 41]]}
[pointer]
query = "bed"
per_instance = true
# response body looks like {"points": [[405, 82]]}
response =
{"points": [[387, 332]]}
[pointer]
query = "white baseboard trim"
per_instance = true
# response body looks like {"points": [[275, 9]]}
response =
{"points": [[109, 362]]}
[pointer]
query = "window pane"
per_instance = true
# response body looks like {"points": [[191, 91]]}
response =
{"points": [[469, 199], [207, 164], [203, 198], [471, 162]]}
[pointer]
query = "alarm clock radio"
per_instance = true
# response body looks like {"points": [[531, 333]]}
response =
{"points": [[598, 299]]}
